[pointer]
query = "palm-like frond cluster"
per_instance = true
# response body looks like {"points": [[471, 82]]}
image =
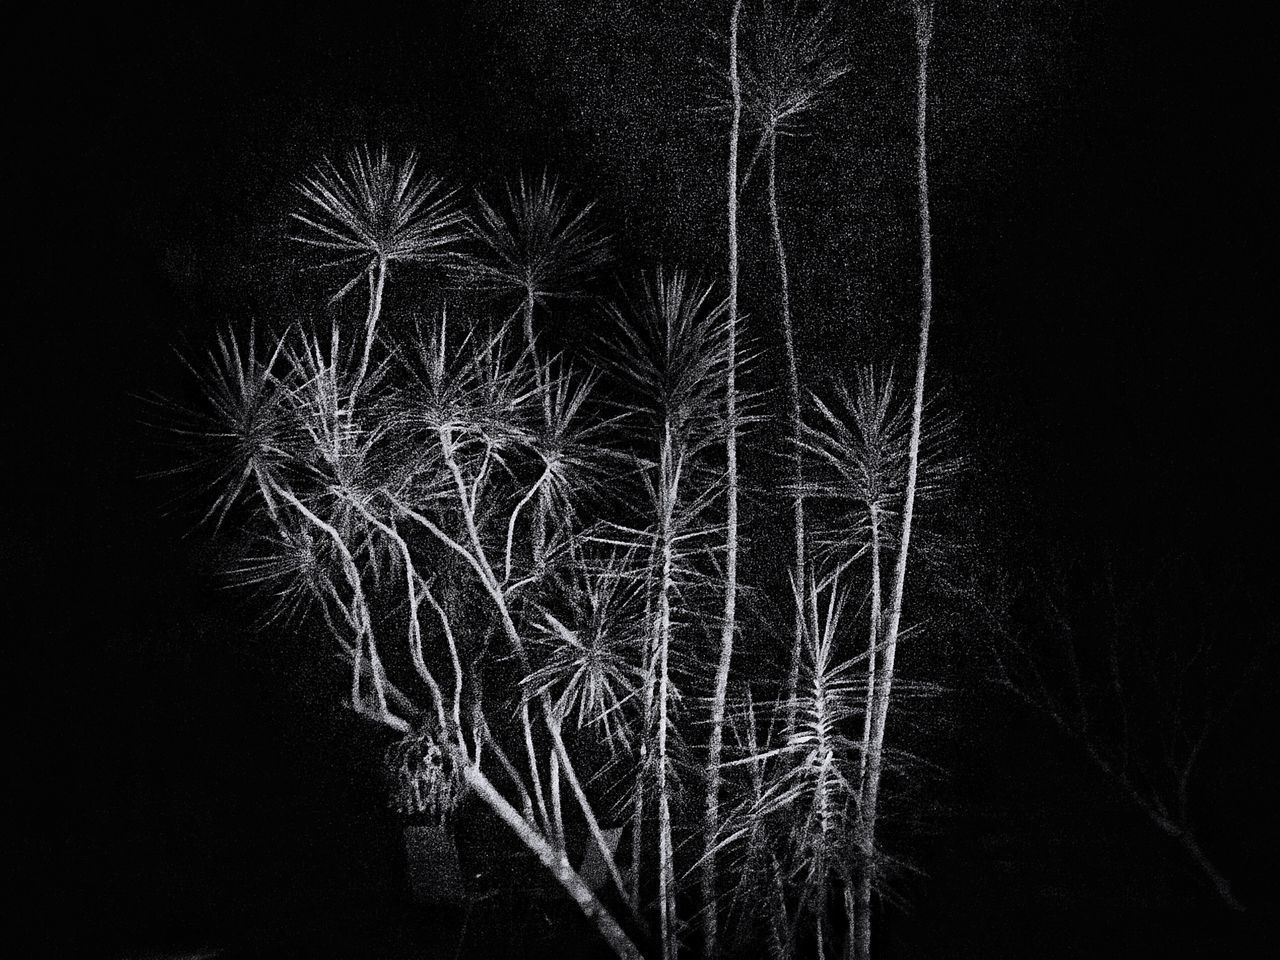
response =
{"points": [[592, 669], [573, 441], [235, 432], [372, 208], [286, 565], [857, 444], [539, 242], [465, 380], [670, 347], [791, 60]]}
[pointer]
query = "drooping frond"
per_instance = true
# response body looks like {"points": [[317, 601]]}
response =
{"points": [[425, 775]]}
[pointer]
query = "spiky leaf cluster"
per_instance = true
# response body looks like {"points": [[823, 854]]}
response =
{"points": [[791, 59], [538, 242], [809, 780], [593, 640], [372, 207], [858, 445], [670, 348]]}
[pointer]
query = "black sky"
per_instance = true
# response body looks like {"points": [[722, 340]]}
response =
{"points": [[1103, 307]]}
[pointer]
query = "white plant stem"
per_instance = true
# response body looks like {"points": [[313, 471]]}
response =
{"points": [[377, 282], [793, 392], [712, 822], [884, 686]]}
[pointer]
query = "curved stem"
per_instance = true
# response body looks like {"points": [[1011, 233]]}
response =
{"points": [[511, 524], [490, 582], [453, 655], [793, 391], [412, 581], [482, 734], [365, 624]]}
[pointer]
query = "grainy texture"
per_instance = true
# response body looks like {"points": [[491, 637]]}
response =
{"points": [[759, 478]]}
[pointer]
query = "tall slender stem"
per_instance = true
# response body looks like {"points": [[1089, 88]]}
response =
{"points": [[884, 688], [858, 915], [669, 486], [544, 388], [873, 643], [637, 835], [793, 391], [712, 824], [650, 684]]}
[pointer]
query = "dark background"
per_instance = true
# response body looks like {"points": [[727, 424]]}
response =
{"points": [[1102, 309]]}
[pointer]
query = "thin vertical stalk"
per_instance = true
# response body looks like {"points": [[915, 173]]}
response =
{"points": [[712, 824], [820, 895], [527, 310], [873, 641], [650, 684], [544, 388], [871, 794], [793, 390], [857, 915], [637, 836], [668, 480]]}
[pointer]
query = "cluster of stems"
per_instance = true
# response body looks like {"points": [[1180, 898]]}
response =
{"points": [[519, 559]]}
